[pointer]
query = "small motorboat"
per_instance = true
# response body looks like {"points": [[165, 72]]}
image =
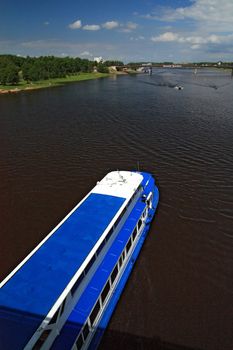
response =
{"points": [[179, 87]]}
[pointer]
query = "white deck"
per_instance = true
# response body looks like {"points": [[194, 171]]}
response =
{"points": [[119, 184]]}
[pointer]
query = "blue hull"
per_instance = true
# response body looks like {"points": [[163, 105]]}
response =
{"points": [[122, 282]]}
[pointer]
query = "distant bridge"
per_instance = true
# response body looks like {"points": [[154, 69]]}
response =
{"points": [[172, 66]]}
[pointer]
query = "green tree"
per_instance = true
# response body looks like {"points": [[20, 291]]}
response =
{"points": [[102, 68], [113, 63], [46, 67], [9, 75]]}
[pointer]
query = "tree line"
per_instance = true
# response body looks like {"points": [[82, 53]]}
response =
{"points": [[31, 69]]}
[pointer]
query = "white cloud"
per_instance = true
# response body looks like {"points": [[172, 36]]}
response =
{"points": [[92, 27], [137, 38], [212, 15], [110, 25], [207, 10], [194, 40], [168, 36], [46, 23], [76, 25], [125, 30], [131, 25], [86, 53], [128, 27], [195, 47], [58, 48], [203, 25]]}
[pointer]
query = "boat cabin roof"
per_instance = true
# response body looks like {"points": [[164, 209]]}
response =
{"points": [[36, 284]]}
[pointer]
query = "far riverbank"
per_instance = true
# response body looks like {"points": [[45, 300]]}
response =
{"points": [[23, 85]]}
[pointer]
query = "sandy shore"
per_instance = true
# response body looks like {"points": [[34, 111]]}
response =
{"points": [[13, 91], [8, 91]]}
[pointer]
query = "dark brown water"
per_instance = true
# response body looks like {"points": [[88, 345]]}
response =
{"points": [[56, 143]]}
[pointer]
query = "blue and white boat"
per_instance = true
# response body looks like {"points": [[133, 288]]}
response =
{"points": [[62, 295]]}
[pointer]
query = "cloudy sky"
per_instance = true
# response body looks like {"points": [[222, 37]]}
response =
{"points": [[129, 30]]}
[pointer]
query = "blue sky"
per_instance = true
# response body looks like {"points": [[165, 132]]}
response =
{"points": [[130, 30]]}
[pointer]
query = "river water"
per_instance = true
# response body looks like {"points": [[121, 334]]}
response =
{"points": [[56, 143]]}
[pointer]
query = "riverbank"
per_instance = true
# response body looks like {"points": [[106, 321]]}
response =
{"points": [[23, 85]]}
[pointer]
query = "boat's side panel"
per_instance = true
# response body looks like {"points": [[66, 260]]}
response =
{"points": [[149, 188], [117, 293]]}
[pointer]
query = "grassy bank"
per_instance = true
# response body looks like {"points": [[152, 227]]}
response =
{"points": [[23, 85]]}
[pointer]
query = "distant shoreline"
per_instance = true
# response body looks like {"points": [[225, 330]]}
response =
{"points": [[24, 86]]}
